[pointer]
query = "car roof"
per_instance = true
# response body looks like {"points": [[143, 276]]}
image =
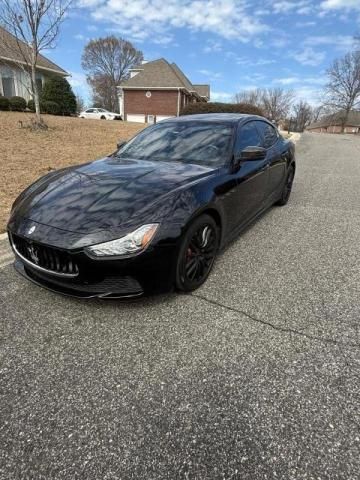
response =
{"points": [[215, 117]]}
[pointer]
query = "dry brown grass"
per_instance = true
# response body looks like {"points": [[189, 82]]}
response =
{"points": [[26, 155]]}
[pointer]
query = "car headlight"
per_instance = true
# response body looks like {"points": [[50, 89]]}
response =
{"points": [[133, 243]]}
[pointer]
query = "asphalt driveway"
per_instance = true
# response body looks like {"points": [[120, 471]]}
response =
{"points": [[255, 376]]}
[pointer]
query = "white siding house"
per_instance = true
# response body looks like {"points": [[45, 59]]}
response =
{"points": [[14, 77]]}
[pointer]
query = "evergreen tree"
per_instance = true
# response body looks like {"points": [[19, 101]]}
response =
{"points": [[58, 90]]}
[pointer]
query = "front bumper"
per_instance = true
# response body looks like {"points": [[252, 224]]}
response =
{"points": [[149, 272], [110, 287]]}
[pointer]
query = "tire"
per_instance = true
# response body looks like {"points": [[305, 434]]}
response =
{"points": [[102, 117], [285, 195], [197, 253]]}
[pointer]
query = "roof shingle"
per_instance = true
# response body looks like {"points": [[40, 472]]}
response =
{"points": [[161, 74], [11, 50], [203, 90]]}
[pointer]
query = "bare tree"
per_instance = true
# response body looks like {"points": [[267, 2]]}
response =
{"points": [[277, 103], [342, 92], [107, 62], [274, 102], [80, 104], [303, 115], [252, 97], [317, 112], [34, 25]]}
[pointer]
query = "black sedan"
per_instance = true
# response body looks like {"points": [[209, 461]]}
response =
{"points": [[155, 213]]}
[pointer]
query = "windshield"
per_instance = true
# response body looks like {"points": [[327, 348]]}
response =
{"points": [[189, 142]]}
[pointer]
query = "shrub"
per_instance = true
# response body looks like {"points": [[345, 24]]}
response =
{"points": [[31, 105], [47, 106], [4, 103], [59, 91], [17, 104], [216, 107]]}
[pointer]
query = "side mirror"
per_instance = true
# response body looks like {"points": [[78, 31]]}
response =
{"points": [[253, 154], [121, 143]]}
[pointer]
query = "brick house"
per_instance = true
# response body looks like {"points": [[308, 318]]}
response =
{"points": [[333, 124], [157, 90]]}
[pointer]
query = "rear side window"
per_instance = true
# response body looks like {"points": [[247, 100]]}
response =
{"points": [[248, 136], [269, 134], [90, 110]]}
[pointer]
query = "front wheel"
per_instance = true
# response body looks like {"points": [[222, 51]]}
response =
{"points": [[197, 253], [285, 195]]}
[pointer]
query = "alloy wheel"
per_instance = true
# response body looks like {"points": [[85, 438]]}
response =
{"points": [[198, 255]]}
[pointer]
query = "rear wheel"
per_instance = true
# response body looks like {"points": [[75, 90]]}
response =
{"points": [[102, 117], [197, 253], [285, 195]]}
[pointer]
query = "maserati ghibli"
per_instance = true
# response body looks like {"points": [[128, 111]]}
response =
{"points": [[153, 215]]}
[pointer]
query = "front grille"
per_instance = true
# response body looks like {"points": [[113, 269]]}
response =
{"points": [[44, 257]]}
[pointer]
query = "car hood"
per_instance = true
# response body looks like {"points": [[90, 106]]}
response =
{"points": [[105, 194]]}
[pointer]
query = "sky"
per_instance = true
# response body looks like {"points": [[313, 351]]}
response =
{"points": [[233, 45]]}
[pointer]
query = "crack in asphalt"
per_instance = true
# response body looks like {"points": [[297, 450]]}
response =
{"points": [[275, 327]]}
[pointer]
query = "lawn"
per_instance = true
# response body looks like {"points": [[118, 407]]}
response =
{"points": [[26, 155]]}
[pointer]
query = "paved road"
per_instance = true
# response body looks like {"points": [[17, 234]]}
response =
{"points": [[256, 376]]}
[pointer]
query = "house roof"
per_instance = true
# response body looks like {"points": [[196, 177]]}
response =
{"points": [[203, 90], [161, 74], [336, 119], [183, 77], [13, 51]]}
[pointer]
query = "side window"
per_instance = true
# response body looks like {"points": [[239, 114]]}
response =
{"points": [[90, 110], [269, 134], [247, 136]]}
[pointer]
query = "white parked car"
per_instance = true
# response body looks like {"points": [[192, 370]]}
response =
{"points": [[99, 114]]}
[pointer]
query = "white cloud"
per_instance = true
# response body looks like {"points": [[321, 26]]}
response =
{"points": [[309, 56], [213, 46], [210, 74], [297, 80], [279, 42], [249, 62], [145, 19], [311, 95], [261, 12], [340, 5], [165, 40], [305, 24], [283, 7], [221, 96], [79, 36], [286, 80], [254, 77], [301, 7], [340, 42]]}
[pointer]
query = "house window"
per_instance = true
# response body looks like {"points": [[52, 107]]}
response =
{"points": [[39, 83], [8, 83]]}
